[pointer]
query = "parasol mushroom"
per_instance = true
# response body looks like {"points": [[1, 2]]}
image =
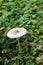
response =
{"points": [[16, 33]]}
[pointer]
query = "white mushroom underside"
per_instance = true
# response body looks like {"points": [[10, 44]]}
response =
{"points": [[13, 34]]}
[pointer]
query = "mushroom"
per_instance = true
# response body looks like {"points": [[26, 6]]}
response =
{"points": [[16, 33]]}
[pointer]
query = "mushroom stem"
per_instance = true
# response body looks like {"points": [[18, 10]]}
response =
{"points": [[19, 44]]}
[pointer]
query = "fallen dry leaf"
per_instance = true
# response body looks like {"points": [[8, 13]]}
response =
{"points": [[31, 21], [40, 53], [39, 59], [26, 45], [1, 28], [14, 64], [35, 44]]}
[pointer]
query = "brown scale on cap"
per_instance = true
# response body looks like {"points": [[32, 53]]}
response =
{"points": [[16, 31]]}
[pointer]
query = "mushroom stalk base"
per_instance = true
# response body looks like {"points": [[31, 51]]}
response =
{"points": [[19, 44]]}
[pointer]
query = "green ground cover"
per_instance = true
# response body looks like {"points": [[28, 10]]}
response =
{"points": [[27, 14]]}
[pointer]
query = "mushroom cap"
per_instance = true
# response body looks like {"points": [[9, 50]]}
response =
{"points": [[16, 32]]}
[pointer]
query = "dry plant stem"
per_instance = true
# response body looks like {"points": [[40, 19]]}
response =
{"points": [[19, 44]]}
